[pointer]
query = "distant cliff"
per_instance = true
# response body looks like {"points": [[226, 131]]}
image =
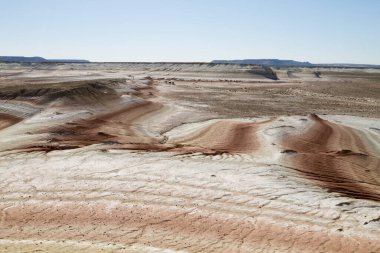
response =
{"points": [[291, 63], [36, 59], [266, 62]]}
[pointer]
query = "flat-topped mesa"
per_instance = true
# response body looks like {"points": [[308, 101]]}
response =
{"points": [[37, 59]]}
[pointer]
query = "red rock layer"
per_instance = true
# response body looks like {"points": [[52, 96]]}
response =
{"points": [[336, 157], [223, 137], [177, 228], [7, 120]]}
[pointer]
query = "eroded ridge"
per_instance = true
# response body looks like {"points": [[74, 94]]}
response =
{"points": [[230, 137], [339, 158], [83, 113], [114, 113], [184, 162], [7, 120]]}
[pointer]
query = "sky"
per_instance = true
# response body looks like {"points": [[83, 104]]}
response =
{"points": [[323, 31]]}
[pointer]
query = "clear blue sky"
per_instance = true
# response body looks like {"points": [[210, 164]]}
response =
{"points": [[320, 31]]}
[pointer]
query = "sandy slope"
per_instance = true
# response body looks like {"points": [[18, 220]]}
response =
{"points": [[152, 164]]}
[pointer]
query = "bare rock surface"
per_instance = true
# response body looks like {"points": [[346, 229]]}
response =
{"points": [[188, 158]]}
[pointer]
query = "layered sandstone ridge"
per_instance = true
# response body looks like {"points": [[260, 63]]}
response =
{"points": [[139, 162]]}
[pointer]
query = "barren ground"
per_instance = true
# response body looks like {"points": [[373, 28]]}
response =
{"points": [[178, 157]]}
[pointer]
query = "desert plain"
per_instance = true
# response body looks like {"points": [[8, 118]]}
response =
{"points": [[188, 157]]}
